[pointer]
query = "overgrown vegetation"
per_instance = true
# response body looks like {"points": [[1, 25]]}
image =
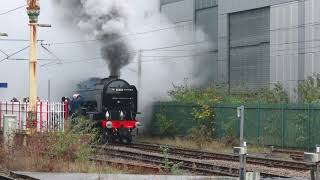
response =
{"points": [[203, 102], [167, 126], [169, 167], [309, 90], [59, 152], [216, 94]]}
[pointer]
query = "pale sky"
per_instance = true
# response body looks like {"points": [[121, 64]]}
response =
{"points": [[16, 72], [158, 76]]}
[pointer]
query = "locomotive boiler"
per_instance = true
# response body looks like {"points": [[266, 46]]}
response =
{"points": [[112, 103]]}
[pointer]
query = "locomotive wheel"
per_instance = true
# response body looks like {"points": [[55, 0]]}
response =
{"points": [[106, 136], [129, 139], [125, 136]]}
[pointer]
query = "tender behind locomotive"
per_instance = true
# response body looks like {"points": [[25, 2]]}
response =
{"points": [[112, 102]]}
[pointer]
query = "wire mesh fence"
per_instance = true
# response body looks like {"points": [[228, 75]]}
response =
{"points": [[280, 125]]}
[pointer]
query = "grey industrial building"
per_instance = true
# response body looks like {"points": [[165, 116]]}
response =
{"points": [[256, 43]]}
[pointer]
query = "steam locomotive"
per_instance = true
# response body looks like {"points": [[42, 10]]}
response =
{"points": [[112, 103]]}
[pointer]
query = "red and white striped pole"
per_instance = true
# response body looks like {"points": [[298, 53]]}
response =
{"points": [[40, 116], [0, 114]]}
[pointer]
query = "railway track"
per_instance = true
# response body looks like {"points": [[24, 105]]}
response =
{"points": [[291, 152], [194, 165], [5, 177], [14, 176], [194, 154], [294, 154], [125, 164]]}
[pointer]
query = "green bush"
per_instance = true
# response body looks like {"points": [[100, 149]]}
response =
{"points": [[309, 90], [166, 125], [167, 166], [203, 115], [73, 144]]}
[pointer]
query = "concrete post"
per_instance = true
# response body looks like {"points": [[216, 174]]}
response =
{"points": [[9, 127], [313, 158], [317, 171]]}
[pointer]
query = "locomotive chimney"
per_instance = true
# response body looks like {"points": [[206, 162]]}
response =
{"points": [[113, 77]]}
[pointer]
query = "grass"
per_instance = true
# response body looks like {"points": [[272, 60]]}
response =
{"points": [[210, 146], [55, 152], [42, 155]]}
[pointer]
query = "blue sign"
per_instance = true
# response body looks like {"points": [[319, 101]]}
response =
{"points": [[3, 85]]}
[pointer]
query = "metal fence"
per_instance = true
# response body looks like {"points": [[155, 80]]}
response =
{"points": [[50, 116], [281, 125]]}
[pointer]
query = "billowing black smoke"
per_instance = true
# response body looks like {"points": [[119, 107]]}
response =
{"points": [[106, 21], [117, 54]]}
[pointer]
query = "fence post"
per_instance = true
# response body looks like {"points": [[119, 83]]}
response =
{"points": [[309, 127], [66, 109], [12, 107], [283, 125], [37, 120], [26, 115], [0, 114], [19, 117], [220, 124], [47, 114], [258, 123], [41, 116]]}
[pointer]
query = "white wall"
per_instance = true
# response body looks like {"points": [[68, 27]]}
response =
{"points": [[312, 37], [284, 49]]}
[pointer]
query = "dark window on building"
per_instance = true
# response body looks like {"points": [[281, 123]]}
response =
{"points": [[249, 34]]}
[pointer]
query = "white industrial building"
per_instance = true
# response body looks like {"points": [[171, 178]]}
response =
{"points": [[256, 43]]}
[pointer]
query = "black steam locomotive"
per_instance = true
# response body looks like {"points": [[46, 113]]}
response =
{"points": [[112, 102]]}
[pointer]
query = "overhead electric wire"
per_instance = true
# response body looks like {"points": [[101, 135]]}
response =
{"points": [[123, 36], [4, 52], [24, 59], [169, 57], [50, 52], [174, 46], [158, 49], [17, 52], [9, 11], [19, 40], [275, 44], [69, 61], [175, 26], [99, 58], [165, 59]]}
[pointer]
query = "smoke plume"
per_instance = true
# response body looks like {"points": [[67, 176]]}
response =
{"points": [[152, 31], [105, 21]]}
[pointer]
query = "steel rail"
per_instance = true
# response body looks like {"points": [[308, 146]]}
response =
{"points": [[189, 153], [6, 177], [204, 168], [124, 163]]}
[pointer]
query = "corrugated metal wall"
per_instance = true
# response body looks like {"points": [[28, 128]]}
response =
{"points": [[249, 48], [284, 61], [178, 11], [269, 41], [206, 18], [312, 37], [163, 2], [202, 4], [182, 19]]}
